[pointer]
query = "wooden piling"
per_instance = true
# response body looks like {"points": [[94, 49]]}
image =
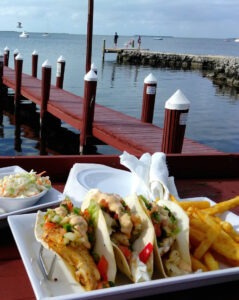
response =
{"points": [[34, 63], [89, 34], [88, 108], [176, 112], [60, 70], [6, 56], [18, 60], [45, 94], [149, 93]]}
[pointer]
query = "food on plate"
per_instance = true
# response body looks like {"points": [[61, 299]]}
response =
{"points": [[213, 240], [75, 237], [130, 231], [23, 184], [171, 239]]}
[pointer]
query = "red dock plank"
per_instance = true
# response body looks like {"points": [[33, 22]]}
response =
{"points": [[114, 128]]}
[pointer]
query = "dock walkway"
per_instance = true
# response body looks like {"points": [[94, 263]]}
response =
{"points": [[113, 128]]}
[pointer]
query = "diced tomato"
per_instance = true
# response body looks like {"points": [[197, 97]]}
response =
{"points": [[145, 253], [69, 205], [103, 268], [126, 251], [157, 230], [50, 225]]}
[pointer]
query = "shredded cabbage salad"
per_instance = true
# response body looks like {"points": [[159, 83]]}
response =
{"points": [[26, 184]]}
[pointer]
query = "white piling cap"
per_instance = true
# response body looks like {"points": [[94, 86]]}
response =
{"points": [[177, 101], [90, 76], [61, 59], [6, 48], [34, 52], [16, 51], [46, 64], [19, 57], [150, 79]]}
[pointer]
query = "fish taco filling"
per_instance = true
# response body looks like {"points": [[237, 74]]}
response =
{"points": [[125, 227], [70, 233], [167, 232]]}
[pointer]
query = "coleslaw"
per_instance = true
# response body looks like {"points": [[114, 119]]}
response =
{"points": [[24, 184]]}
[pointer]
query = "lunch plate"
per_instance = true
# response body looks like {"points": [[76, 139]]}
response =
{"points": [[62, 286], [83, 177], [50, 198]]}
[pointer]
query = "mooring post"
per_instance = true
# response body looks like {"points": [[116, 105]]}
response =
{"points": [[88, 108], [45, 94], [1, 70], [15, 53], [17, 96], [34, 63], [6, 56], [176, 113], [18, 78], [60, 70], [103, 51], [149, 93]]}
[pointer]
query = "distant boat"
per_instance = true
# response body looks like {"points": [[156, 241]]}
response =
{"points": [[45, 34], [24, 34], [236, 40], [158, 38]]}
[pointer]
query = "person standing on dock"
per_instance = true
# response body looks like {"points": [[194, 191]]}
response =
{"points": [[116, 39], [139, 42]]}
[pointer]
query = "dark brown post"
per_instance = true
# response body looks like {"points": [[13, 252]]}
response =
{"points": [[18, 70], [89, 34], [60, 70], [34, 63], [6, 56], [1, 70], [88, 108], [45, 86], [45, 95], [15, 53], [176, 113], [17, 96], [149, 93]]}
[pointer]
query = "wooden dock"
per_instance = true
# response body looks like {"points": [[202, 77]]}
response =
{"points": [[113, 128]]}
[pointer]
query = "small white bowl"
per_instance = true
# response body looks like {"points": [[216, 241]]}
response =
{"points": [[12, 204]]}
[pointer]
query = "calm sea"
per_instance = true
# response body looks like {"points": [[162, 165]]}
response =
{"points": [[213, 113]]}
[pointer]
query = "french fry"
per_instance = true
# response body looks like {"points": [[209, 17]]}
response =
{"points": [[206, 243], [228, 228], [198, 204], [210, 261], [198, 265], [221, 207]]}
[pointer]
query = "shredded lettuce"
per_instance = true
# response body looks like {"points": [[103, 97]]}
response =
{"points": [[26, 184]]}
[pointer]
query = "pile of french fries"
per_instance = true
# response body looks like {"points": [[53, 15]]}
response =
{"points": [[213, 241]]}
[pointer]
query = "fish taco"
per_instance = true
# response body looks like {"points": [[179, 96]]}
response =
{"points": [[130, 231], [171, 244], [75, 237]]}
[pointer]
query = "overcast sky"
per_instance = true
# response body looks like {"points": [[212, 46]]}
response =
{"points": [[180, 18]]}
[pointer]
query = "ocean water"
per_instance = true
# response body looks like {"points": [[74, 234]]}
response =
{"points": [[213, 113]]}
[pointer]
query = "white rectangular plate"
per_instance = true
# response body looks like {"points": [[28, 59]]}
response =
{"points": [[52, 196], [63, 287]]}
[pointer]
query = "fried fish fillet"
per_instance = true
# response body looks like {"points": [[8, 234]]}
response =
{"points": [[79, 258]]}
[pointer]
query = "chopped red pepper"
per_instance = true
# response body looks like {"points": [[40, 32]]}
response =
{"points": [[103, 268], [145, 253], [50, 225], [126, 251]]}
